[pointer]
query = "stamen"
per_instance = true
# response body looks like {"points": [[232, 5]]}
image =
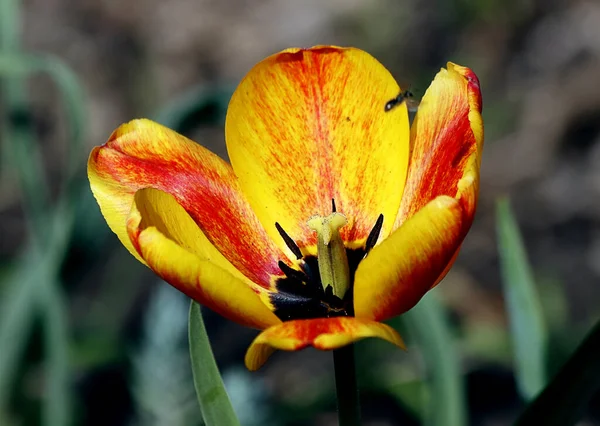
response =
{"points": [[291, 272], [289, 241], [374, 234], [331, 252], [333, 210]]}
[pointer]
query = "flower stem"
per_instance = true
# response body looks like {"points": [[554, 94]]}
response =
{"points": [[345, 383]]}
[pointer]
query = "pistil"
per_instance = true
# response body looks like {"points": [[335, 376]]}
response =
{"points": [[331, 253]]}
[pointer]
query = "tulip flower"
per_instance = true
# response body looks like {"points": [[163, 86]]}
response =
{"points": [[334, 213]]}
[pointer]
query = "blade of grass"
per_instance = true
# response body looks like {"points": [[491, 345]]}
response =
{"points": [[570, 391], [17, 315], [17, 129], [36, 289], [21, 65], [212, 396], [57, 409], [527, 326], [32, 290], [446, 403]]}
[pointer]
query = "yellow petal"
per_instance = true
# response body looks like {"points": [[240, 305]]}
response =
{"points": [[173, 246], [154, 208], [143, 154], [399, 271], [306, 126], [322, 333], [447, 140]]}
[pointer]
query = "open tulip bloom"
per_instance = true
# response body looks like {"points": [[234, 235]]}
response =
{"points": [[335, 213]]}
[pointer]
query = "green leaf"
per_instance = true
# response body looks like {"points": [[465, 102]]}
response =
{"points": [[17, 129], [17, 314], [23, 65], [34, 289], [212, 396], [528, 331], [57, 411], [446, 401], [562, 402]]}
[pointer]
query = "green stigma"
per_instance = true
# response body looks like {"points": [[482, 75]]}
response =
{"points": [[331, 253]]}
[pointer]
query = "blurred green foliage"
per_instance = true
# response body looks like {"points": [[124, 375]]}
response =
{"points": [[564, 400], [527, 326], [33, 287], [445, 392]]}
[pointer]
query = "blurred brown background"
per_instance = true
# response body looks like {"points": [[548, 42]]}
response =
{"points": [[539, 66]]}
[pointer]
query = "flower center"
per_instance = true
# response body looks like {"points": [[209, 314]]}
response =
{"points": [[321, 286]]}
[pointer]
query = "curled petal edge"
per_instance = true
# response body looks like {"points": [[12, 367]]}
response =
{"points": [[321, 333], [167, 248], [143, 154], [397, 273]]}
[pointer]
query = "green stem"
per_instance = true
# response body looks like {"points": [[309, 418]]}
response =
{"points": [[347, 389]]}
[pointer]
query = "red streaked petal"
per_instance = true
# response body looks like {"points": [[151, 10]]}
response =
{"points": [[172, 245], [306, 126], [154, 208], [143, 154], [446, 140], [322, 333], [398, 272], [439, 200]]}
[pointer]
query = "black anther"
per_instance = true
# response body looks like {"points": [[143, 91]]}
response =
{"points": [[374, 234], [291, 272], [289, 242]]}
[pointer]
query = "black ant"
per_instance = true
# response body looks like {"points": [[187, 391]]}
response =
{"points": [[403, 96]]}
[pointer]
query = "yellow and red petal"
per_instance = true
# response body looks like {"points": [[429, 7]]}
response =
{"points": [[306, 126], [321, 333], [143, 154], [174, 247], [447, 141], [397, 273], [154, 208], [439, 200]]}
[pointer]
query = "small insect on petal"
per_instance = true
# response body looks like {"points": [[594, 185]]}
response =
{"points": [[393, 103]]}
